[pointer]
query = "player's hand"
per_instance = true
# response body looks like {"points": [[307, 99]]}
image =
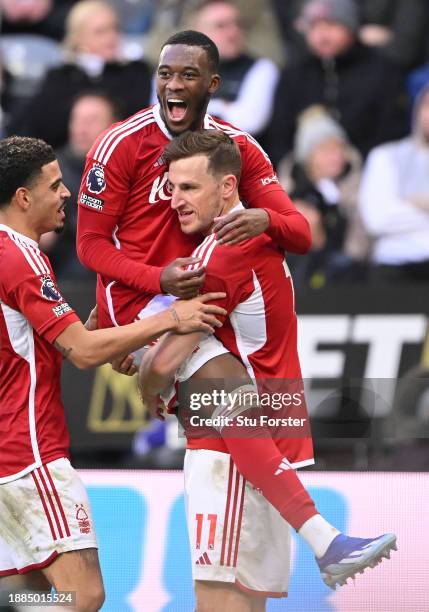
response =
{"points": [[125, 365], [182, 283], [241, 225], [154, 406], [91, 323], [196, 315]]}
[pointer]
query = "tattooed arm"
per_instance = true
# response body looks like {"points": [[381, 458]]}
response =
{"points": [[86, 349]]}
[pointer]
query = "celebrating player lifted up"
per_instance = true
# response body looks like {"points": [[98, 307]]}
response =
{"points": [[45, 518], [127, 231], [239, 540]]}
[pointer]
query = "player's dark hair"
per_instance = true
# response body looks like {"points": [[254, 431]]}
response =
{"points": [[21, 161], [192, 38], [222, 152]]}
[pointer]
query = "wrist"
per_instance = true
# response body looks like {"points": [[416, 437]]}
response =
{"points": [[173, 313]]}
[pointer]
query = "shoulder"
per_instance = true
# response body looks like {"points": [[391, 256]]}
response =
{"points": [[123, 135], [19, 260], [228, 261], [245, 141]]}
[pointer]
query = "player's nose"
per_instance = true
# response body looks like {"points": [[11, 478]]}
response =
{"points": [[175, 83]]}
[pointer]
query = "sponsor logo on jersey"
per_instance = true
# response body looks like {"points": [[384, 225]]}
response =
{"points": [[160, 161], [61, 309], [160, 189], [284, 465], [48, 289], [91, 202], [269, 179], [95, 180]]}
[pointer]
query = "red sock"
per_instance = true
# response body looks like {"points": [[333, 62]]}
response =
{"points": [[260, 462]]}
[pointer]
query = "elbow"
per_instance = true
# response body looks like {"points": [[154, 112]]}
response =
{"points": [[82, 360], [160, 366]]}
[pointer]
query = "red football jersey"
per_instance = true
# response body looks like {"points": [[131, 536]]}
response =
{"points": [[126, 183], [33, 313], [260, 330]]}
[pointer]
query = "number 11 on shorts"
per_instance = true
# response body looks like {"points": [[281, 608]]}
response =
{"points": [[212, 519]]}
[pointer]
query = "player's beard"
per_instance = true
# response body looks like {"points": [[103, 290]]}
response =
{"points": [[199, 110], [59, 229]]}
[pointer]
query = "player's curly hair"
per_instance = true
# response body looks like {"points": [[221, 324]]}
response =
{"points": [[192, 38], [21, 161], [222, 152]]}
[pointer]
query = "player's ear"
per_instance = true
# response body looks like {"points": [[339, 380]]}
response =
{"points": [[22, 198], [229, 185], [214, 84]]}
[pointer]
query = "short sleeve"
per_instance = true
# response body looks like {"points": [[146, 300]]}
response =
{"points": [[105, 186], [40, 301]]}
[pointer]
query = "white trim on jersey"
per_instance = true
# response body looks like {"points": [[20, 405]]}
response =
{"points": [[160, 122], [111, 140], [9, 231], [204, 251], [231, 131], [115, 238], [21, 339], [248, 322], [110, 303], [37, 257]]}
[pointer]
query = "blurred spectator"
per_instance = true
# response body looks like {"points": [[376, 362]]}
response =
{"points": [[93, 60], [91, 113], [394, 202], [45, 17], [287, 14], [397, 27], [246, 92], [5, 98], [361, 89], [262, 32], [322, 177]]}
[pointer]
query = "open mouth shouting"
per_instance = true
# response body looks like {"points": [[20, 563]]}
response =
{"points": [[176, 110]]}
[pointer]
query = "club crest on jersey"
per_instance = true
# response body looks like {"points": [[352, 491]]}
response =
{"points": [[48, 290], [95, 180]]}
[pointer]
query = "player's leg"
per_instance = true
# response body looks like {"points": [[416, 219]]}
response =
{"points": [[47, 524], [78, 571], [215, 596], [240, 545], [259, 604], [257, 458]]}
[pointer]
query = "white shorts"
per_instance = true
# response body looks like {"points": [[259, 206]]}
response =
{"points": [[208, 347], [235, 534], [42, 515]]}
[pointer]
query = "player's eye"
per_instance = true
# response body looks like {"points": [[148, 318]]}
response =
{"points": [[163, 74]]}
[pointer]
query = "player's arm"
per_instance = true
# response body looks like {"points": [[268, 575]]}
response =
{"points": [[160, 363], [271, 210], [86, 349], [98, 217]]}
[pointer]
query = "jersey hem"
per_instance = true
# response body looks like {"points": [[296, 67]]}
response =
{"points": [[33, 466], [245, 589], [28, 568]]}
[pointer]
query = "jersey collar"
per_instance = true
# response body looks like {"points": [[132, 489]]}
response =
{"points": [[10, 230], [162, 126]]}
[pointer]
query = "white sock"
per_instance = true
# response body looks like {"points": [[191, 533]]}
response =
{"points": [[318, 534]]}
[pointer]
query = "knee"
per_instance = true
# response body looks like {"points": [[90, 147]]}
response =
{"points": [[91, 599]]}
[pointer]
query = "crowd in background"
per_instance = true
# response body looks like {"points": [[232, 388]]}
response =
{"points": [[337, 92]]}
